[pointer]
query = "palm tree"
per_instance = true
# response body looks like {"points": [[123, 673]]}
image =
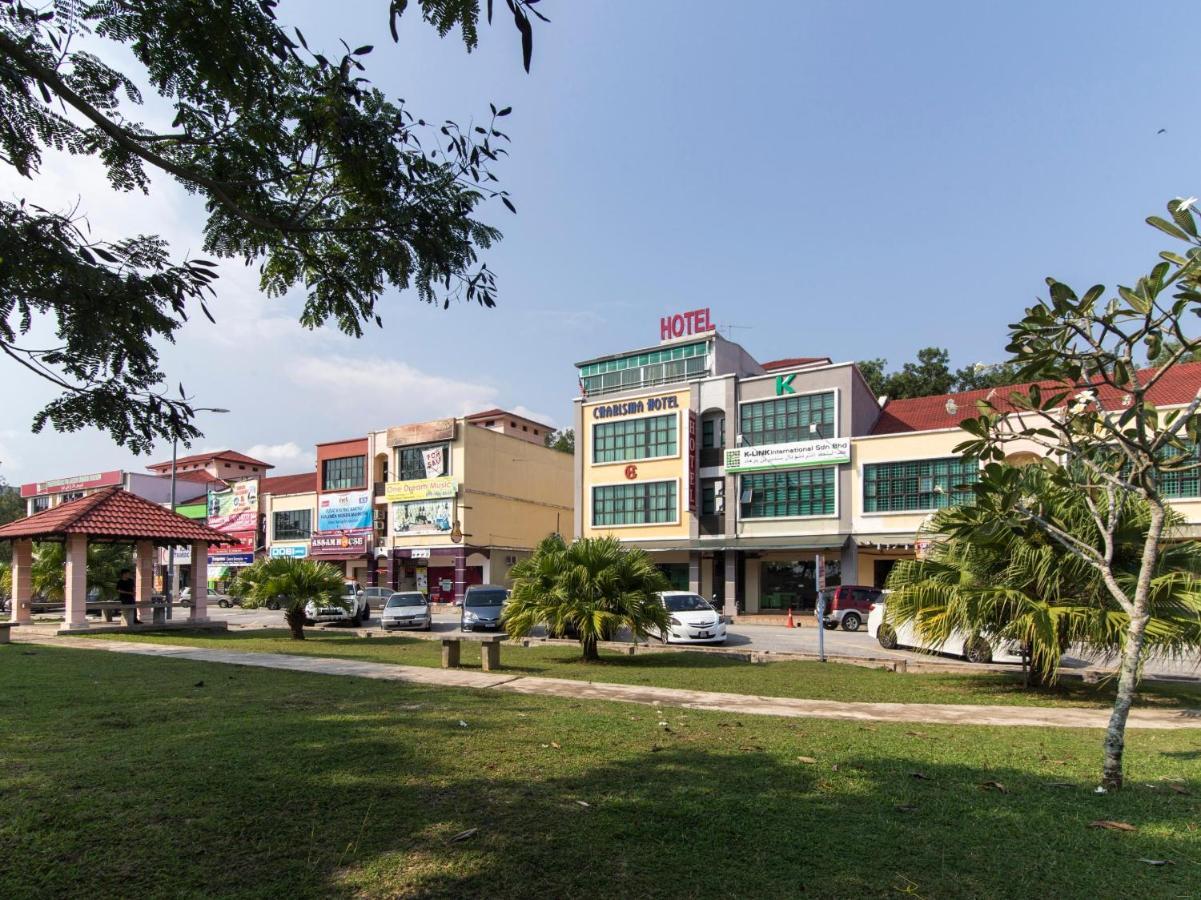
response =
{"points": [[986, 576], [293, 584], [105, 562], [590, 588]]}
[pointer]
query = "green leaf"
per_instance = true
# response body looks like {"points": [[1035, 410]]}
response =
{"points": [[1167, 228], [1183, 218]]}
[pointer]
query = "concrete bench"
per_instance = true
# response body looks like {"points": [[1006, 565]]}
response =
{"points": [[489, 649], [5, 628], [157, 608]]}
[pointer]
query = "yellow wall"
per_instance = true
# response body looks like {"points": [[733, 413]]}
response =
{"points": [[671, 468], [285, 503]]}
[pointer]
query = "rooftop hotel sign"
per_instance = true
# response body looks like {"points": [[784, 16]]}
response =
{"points": [[695, 321], [824, 452]]}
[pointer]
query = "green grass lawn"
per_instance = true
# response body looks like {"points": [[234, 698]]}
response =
{"points": [[136, 776], [696, 671]]}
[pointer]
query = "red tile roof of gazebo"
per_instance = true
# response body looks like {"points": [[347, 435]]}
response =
{"points": [[112, 513]]}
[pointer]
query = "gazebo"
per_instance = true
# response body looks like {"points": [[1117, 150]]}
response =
{"points": [[111, 515]]}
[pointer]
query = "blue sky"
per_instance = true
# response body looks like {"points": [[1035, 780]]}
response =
{"points": [[852, 179]]}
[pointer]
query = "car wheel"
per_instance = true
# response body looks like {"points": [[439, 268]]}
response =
{"points": [[273, 604], [887, 637], [829, 626], [978, 650], [851, 622], [224, 604]]}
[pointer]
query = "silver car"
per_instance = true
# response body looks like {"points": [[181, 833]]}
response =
{"points": [[406, 609]]}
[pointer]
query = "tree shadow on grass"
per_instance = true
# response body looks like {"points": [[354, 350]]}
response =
{"points": [[146, 776]]}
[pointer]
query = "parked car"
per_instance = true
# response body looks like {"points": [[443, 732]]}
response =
{"points": [[482, 607], [356, 611], [691, 619], [225, 601], [848, 605], [377, 597], [974, 648], [406, 609]]}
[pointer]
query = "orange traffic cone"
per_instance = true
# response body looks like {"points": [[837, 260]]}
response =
{"points": [[791, 624]]}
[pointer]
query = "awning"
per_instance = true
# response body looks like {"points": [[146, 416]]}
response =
{"points": [[796, 542], [896, 540]]}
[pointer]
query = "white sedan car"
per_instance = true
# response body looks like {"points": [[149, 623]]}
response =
{"points": [[977, 649], [691, 619], [406, 609]]}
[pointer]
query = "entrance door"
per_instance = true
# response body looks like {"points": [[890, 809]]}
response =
{"points": [[881, 569]]}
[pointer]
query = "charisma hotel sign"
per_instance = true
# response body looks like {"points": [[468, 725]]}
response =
{"points": [[635, 407], [824, 452]]}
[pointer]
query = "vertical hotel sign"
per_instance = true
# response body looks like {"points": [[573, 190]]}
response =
{"points": [[692, 473]]}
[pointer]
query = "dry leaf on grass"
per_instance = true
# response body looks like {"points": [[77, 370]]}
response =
{"points": [[1156, 862], [463, 836], [808, 759], [916, 733], [584, 803], [920, 776], [556, 745], [906, 807], [1179, 789], [994, 786], [1111, 825]]}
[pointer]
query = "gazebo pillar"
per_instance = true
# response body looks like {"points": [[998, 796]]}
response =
{"points": [[75, 582], [143, 574], [22, 571], [200, 583]]}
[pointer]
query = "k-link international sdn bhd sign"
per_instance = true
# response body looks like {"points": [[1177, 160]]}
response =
{"points": [[824, 452]]}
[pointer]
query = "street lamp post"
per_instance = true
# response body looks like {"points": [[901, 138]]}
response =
{"points": [[171, 550]]}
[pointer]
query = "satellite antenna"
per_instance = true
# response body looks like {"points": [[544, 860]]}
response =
{"points": [[725, 329]]}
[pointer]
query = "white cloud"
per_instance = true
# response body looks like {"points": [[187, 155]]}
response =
{"points": [[544, 418], [288, 454]]}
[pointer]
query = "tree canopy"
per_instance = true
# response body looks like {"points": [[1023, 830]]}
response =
{"points": [[931, 374], [305, 169]]}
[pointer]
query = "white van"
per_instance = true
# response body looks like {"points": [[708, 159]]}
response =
{"points": [[977, 648]]}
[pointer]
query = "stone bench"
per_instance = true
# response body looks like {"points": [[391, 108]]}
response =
{"points": [[489, 649], [5, 628]]}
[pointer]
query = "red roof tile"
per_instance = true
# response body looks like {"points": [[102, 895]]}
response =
{"points": [[289, 484], [793, 362], [224, 455], [1179, 386], [112, 513]]}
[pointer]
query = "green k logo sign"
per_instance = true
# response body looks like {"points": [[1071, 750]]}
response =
{"points": [[784, 384]]}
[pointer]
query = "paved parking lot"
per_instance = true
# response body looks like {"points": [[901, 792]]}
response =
{"points": [[774, 638]]}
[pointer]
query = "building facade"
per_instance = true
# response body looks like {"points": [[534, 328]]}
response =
{"points": [[734, 474]]}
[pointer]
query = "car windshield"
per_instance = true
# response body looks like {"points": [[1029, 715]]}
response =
{"points": [[406, 600], [485, 598], [686, 603]]}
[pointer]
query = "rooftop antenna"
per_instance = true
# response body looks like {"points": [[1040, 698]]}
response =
{"points": [[726, 329]]}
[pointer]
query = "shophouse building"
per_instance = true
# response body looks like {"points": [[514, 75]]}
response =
{"points": [[734, 474], [41, 495], [289, 506], [907, 468]]}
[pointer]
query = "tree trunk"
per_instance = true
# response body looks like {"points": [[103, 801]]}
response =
{"points": [[591, 653], [295, 620], [1115, 733]]}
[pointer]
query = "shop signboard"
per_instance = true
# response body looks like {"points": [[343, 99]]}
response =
{"points": [[348, 511], [244, 543], [419, 553], [74, 483], [692, 461], [292, 551], [230, 559], [181, 556], [422, 516], [421, 433], [339, 544], [235, 509], [636, 407], [822, 452], [420, 489]]}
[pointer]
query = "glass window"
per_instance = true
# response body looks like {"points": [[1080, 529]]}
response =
{"points": [[785, 420], [713, 432], [793, 585], [634, 439], [918, 485], [800, 492], [634, 504], [709, 496], [293, 525], [429, 461], [344, 473], [677, 576], [645, 369], [1176, 485]]}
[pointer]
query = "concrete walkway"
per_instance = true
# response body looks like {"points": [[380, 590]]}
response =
{"points": [[742, 704]]}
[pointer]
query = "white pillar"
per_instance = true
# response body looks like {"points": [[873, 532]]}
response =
{"points": [[694, 571], [199, 610], [22, 602], [143, 576], [731, 602], [76, 581]]}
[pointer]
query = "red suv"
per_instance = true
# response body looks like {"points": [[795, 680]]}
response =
{"points": [[848, 605]]}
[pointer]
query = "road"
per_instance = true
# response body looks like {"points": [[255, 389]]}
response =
{"points": [[773, 638]]}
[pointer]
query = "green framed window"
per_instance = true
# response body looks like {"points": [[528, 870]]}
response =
{"points": [[799, 492], [644, 438], [713, 432], [643, 503], [918, 485], [784, 420], [1181, 485], [644, 369]]}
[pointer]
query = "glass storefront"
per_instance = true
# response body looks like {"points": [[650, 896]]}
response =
{"points": [[785, 585]]}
